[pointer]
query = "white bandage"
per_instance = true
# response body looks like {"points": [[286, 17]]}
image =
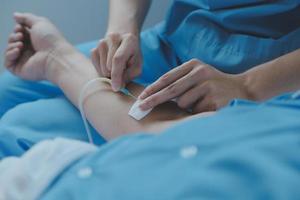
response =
{"points": [[136, 112]]}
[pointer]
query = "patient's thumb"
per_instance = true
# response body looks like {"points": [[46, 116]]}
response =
{"points": [[26, 19]]}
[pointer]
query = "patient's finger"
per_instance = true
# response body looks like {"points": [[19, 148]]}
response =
{"points": [[14, 37], [26, 19], [9, 64], [18, 45], [13, 54], [18, 28]]}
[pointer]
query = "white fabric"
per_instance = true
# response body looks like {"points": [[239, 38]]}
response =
{"points": [[136, 112], [28, 176]]}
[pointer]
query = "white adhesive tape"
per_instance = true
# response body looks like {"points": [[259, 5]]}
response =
{"points": [[136, 113]]}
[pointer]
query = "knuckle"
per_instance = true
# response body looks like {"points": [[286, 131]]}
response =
{"points": [[164, 79], [118, 58], [182, 103], [148, 91], [101, 43], [172, 90], [131, 37], [194, 61], [114, 37], [203, 70]]}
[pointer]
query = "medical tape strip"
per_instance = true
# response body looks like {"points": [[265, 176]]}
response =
{"points": [[135, 111]]}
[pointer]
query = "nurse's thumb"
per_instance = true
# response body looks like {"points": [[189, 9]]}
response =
{"points": [[116, 84]]}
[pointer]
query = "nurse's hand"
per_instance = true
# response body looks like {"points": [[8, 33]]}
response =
{"points": [[196, 86], [29, 46], [118, 56]]}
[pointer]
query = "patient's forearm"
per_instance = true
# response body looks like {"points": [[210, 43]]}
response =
{"points": [[275, 77], [73, 72], [105, 109]]}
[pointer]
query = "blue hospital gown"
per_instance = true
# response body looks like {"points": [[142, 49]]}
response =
{"points": [[232, 36], [252, 153]]}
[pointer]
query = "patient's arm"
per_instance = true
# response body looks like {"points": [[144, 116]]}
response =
{"points": [[105, 109], [37, 51]]}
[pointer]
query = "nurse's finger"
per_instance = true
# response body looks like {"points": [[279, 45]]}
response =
{"points": [[167, 79], [15, 37], [188, 99], [133, 69], [96, 61], [170, 92], [102, 52], [205, 105], [113, 42], [120, 61], [18, 45], [26, 19]]}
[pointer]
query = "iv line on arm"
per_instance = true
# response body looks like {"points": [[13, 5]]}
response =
{"points": [[135, 112]]}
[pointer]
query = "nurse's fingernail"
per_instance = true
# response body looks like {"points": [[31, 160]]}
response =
{"points": [[142, 96], [143, 106], [115, 87]]}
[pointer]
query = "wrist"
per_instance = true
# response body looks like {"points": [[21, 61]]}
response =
{"points": [[251, 85], [121, 29], [65, 62], [53, 69]]}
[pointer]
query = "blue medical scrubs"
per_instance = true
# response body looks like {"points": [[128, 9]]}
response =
{"points": [[232, 36]]}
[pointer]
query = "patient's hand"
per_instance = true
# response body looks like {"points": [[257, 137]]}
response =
{"points": [[29, 46]]}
